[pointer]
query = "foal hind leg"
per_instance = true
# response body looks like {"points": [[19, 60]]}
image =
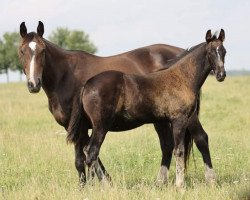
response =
{"points": [[92, 153], [80, 156], [201, 141], [80, 160], [165, 135]]}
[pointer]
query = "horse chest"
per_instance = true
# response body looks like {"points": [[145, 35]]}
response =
{"points": [[58, 113]]}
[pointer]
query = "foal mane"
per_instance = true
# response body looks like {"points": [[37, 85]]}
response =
{"points": [[182, 55], [185, 53]]}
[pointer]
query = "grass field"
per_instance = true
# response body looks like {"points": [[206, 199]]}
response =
{"points": [[36, 162]]}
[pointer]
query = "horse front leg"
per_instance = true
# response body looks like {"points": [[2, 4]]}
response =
{"points": [[201, 141], [179, 150], [165, 135]]}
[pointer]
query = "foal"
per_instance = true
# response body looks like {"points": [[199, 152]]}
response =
{"points": [[169, 95]]}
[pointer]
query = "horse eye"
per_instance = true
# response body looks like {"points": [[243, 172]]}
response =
{"points": [[22, 52]]}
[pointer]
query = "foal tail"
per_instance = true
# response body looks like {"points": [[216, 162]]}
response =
{"points": [[188, 143], [76, 120]]}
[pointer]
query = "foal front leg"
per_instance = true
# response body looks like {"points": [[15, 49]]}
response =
{"points": [[179, 136]]}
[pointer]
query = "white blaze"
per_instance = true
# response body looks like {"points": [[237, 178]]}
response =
{"points": [[217, 51], [32, 46]]}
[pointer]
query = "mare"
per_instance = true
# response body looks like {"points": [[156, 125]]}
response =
{"points": [[61, 73], [114, 98]]}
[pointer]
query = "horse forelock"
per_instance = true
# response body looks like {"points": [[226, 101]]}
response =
{"points": [[32, 37]]}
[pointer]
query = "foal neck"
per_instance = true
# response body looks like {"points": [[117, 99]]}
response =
{"points": [[193, 67]]}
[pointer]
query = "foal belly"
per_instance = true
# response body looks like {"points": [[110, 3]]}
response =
{"points": [[121, 124]]}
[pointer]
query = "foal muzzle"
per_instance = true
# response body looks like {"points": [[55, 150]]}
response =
{"points": [[221, 75]]}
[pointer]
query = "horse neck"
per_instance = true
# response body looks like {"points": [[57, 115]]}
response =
{"points": [[56, 70]]}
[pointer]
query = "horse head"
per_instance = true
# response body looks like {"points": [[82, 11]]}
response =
{"points": [[32, 56]]}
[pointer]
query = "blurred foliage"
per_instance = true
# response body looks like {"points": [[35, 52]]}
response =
{"points": [[8, 52], [74, 40]]}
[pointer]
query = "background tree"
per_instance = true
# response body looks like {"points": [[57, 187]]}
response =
{"points": [[76, 40], [8, 53]]}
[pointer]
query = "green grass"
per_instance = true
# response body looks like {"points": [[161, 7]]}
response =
{"points": [[36, 162]]}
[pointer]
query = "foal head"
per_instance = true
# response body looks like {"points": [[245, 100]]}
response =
{"points": [[216, 54], [32, 56]]}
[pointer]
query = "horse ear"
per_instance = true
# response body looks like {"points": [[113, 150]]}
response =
{"points": [[40, 29], [222, 35], [23, 29], [208, 36]]}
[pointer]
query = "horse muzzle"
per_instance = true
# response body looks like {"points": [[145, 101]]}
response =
{"points": [[34, 88]]}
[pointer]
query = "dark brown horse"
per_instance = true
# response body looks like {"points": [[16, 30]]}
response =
{"points": [[62, 73], [113, 100]]}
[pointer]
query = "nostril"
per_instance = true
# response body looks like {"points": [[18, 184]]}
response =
{"points": [[30, 84], [39, 82]]}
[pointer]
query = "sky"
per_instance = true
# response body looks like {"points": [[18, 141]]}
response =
{"points": [[119, 26]]}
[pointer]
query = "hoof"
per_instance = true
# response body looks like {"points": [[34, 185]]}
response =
{"points": [[210, 176], [162, 177], [181, 190], [161, 183]]}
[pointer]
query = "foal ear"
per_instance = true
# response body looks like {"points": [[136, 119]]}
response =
{"points": [[208, 36], [222, 35], [40, 29], [23, 29]]}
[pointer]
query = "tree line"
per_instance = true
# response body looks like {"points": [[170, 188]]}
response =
{"points": [[65, 38]]}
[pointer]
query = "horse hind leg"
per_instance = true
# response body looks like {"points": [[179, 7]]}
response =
{"points": [[167, 145], [201, 141]]}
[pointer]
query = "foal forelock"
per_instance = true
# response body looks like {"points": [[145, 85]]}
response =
{"points": [[32, 46]]}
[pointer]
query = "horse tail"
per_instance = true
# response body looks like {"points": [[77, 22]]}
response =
{"points": [[76, 120], [198, 103], [188, 143]]}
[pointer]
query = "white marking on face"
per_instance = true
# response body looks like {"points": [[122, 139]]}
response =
{"points": [[217, 51], [32, 69], [32, 46]]}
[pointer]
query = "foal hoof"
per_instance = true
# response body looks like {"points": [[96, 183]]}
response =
{"points": [[210, 177], [90, 159], [160, 183]]}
